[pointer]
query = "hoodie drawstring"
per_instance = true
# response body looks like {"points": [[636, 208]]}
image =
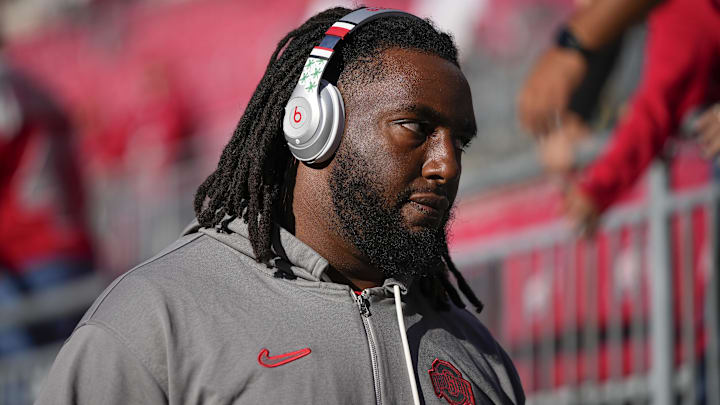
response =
{"points": [[406, 347]]}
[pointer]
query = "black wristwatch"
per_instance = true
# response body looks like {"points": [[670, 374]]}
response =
{"points": [[566, 39]]}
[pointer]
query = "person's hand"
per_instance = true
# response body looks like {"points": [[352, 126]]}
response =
{"points": [[581, 211], [708, 128], [557, 149], [544, 98]]}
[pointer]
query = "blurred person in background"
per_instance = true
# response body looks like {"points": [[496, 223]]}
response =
{"points": [[680, 75], [44, 238], [292, 272], [707, 129]]}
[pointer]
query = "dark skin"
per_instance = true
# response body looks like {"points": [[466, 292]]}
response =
{"points": [[415, 120]]}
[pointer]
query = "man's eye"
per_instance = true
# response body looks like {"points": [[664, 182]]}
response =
{"points": [[413, 126]]}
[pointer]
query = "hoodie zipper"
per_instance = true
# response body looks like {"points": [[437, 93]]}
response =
{"points": [[364, 306]]}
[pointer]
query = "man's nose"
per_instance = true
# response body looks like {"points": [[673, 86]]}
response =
{"points": [[442, 162]]}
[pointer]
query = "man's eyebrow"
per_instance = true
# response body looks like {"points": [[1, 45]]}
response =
{"points": [[467, 127]]}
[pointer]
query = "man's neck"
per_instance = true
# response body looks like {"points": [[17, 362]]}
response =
{"points": [[348, 266]]}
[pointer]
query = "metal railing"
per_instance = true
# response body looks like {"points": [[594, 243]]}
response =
{"points": [[630, 316], [22, 375]]}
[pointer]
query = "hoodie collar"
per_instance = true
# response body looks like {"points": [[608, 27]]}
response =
{"points": [[389, 283], [300, 255]]}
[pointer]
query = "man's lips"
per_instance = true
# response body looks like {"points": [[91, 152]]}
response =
{"points": [[431, 204]]}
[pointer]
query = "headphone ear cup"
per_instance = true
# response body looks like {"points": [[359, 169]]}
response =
{"points": [[315, 140], [332, 122]]}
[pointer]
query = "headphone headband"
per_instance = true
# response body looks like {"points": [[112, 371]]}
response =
{"points": [[321, 54]]}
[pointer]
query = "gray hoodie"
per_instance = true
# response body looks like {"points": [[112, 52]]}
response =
{"points": [[203, 323]]}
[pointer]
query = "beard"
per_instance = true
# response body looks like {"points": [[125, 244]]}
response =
{"points": [[376, 227]]}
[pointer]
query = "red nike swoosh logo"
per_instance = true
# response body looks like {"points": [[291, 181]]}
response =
{"points": [[280, 359]]}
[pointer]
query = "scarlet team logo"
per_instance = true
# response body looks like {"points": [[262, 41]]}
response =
{"points": [[449, 384]]}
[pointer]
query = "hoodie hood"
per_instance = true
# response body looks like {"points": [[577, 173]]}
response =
{"points": [[305, 263]]}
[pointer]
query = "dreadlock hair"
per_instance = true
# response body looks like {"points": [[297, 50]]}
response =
{"points": [[255, 174]]}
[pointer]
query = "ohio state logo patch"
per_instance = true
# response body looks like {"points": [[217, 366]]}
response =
{"points": [[449, 384]]}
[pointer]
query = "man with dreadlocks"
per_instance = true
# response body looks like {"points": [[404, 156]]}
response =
{"points": [[322, 282]]}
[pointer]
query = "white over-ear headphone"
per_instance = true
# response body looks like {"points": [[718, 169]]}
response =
{"points": [[315, 115]]}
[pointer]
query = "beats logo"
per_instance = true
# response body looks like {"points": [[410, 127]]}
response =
{"points": [[297, 116]]}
